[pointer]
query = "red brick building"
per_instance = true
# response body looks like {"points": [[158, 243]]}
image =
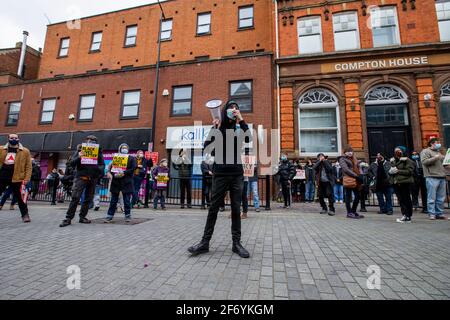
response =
{"points": [[374, 74], [97, 76], [9, 64]]}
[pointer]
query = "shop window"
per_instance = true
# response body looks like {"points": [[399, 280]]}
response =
{"points": [[309, 35], [64, 47], [445, 112], [131, 36], [96, 41], [384, 24], [319, 123], [246, 17], [204, 23], [48, 111], [242, 93], [13, 114], [346, 35], [443, 15], [87, 105], [166, 30], [130, 104], [182, 101]]}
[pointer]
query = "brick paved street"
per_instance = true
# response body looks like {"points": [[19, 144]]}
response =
{"points": [[296, 254]]}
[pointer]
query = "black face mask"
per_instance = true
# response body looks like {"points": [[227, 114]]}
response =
{"points": [[13, 142]]}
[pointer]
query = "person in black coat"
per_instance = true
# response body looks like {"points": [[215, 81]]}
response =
{"points": [[122, 181], [54, 177], [207, 173], [184, 166], [36, 174], [286, 172], [139, 176], [86, 178], [325, 182], [419, 184]]}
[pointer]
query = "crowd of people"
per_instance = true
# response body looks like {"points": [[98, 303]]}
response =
{"points": [[351, 181]]}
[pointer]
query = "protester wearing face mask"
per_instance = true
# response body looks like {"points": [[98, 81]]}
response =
{"points": [[325, 184], [419, 184], [310, 183], [286, 172], [86, 179], [352, 182], [364, 192], [161, 183], [338, 187], [183, 165], [142, 165], [402, 172], [434, 172], [122, 182], [15, 170], [381, 184]]}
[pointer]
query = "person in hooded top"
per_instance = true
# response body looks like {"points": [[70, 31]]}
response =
{"points": [[122, 182], [352, 182], [226, 143]]}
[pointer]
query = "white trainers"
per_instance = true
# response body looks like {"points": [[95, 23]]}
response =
{"points": [[404, 219]]}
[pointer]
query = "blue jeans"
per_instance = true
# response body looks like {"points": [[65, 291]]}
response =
{"points": [[253, 187], [436, 190], [310, 190], [384, 197], [126, 204], [338, 192], [137, 181], [6, 195], [159, 194]]}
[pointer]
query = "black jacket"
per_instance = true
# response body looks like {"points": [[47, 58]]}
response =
{"points": [[184, 168], [206, 168], [146, 165], [326, 165], [221, 167], [91, 171], [36, 173], [387, 179], [309, 173], [286, 171], [124, 184], [338, 177]]}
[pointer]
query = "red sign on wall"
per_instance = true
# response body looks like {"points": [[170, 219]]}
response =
{"points": [[431, 136], [152, 155]]}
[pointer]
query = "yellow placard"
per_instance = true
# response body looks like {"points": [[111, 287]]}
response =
{"points": [[90, 153], [119, 163]]}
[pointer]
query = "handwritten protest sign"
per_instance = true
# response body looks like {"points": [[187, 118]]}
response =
{"points": [[301, 175], [162, 180], [447, 158], [249, 162], [90, 153], [119, 163]]}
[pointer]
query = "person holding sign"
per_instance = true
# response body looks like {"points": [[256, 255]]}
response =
{"points": [[161, 176], [121, 174], [434, 172], [87, 174], [15, 171]]}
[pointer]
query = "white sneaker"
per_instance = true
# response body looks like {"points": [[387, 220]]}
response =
{"points": [[404, 219]]}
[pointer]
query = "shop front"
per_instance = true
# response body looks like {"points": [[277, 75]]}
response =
{"points": [[374, 101]]}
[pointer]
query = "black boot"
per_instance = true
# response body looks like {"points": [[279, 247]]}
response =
{"points": [[240, 250], [65, 223], [202, 247]]}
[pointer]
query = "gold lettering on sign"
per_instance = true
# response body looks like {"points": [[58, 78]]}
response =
{"points": [[376, 64]]}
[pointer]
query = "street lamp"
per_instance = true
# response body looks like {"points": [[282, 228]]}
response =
{"points": [[155, 92]]}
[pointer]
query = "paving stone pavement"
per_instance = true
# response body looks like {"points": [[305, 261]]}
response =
{"points": [[295, 254]]}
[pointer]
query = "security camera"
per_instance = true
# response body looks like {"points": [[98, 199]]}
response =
{"points": [[72, 117]]}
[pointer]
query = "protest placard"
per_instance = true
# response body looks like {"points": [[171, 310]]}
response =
{"points": [[90, 153], [162, 180], [447, 158], [301, 175], [119, 163], [248, 163]]}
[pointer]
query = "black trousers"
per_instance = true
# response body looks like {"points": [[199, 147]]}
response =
{"points": [[206, 191], [54, 191], [325, 190], [351, 208], [220, 186], [403, 192], [79, 185], [285, 189], [244, 197], [419, 185], [4, 184], [34, 188], [186, 187]]}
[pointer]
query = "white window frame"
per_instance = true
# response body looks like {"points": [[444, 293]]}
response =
{"points": [[405, 98], [397, 26], [48, 111], [299, 36], [439, 21], [11, 104], [93, 42], [127, 35], [358, 39], [81, 108], [163, 31], [61, 47], [322, 106], [252, 18], [203, 25], [444, 99]]}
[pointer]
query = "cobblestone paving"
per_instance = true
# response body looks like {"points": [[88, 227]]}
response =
{"points": [[296, 254]]}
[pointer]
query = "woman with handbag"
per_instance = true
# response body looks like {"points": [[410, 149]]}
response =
{"points": [[352, 182]]}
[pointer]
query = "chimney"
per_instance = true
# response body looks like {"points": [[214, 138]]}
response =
{"points": [[22, 54]]}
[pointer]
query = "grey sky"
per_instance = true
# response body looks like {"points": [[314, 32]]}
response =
{"points": [[19, 15]]}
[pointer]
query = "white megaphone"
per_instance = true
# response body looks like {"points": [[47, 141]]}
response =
{"points": [[214, 108]]}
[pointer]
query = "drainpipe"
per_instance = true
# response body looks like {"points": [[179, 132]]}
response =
{"points": [[277, 44], [22, 54]]}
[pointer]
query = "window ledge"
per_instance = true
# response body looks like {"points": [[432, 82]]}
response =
{"points": [[203, 34], [130, 46], [94, 51], [246, 28], [129, 118]]}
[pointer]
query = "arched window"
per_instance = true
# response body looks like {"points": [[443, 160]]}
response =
{"points": [[386, 105], [386, 94], [319, 123], [445, 111]]}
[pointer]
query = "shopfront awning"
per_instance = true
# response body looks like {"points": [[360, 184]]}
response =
{"points": [[68, 141]]}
